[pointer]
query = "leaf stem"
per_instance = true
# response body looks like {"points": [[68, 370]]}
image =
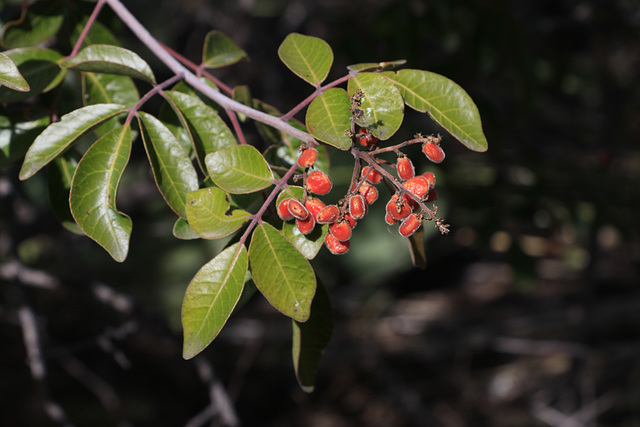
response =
{"points": [[87, 27]]}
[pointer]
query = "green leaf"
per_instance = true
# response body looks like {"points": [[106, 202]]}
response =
{"points": [[39, 22], [206, 130], [211, 297], [17, 134], [219, 51], [447, 103], [375, 66], [60, 135], [99, 88], [39, 68], [93, 192], [311, 338], [98, 33], [281, 273], [328, 118], [417, 249], [307, 244], [207, 213], [172, 169], [310, 58], [182, 230], [59, 175], [102, 58], [242, 94], [383, 105], [10, 75], [239, 169]]}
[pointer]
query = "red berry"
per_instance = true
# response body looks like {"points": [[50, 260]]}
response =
{"points": [[314, 206], [297, 209], [373, 176], [369, 192], [283, 210], [319, 183], [433, 195], [306, 225], [410, 224], [335, 246], [351, 220], [433, 151], [357, 206], [398, 208], [308, 157], [366, 138], [389, 219], [328, 215], [341, 230], [431, 178], [418, 185], [405, 168]]}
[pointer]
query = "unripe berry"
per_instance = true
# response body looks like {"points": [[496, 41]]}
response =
{"points": [[369, 192], [366, 138], [283, 210], [335, 246], [306, 225], [328, 215], [433, 151], [297, 209], [410, 224], [404, 168], [341, 230], [314, 206], [357, 206], [398, 208], [418, 185], [308, 157], [373, 176], [319, 183]]}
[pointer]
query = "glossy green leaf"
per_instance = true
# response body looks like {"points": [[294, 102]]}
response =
{"points": [[281, 273], [99, 88], [239, 169], [10, 75], [102, 58], [17, 134], [39, 67], [418, 249], [310, 58], [38, 23], [219, 51], [208, 213], [172, 169], [93, 192], [311, 338], [211, 297], [59, 176], [206, 130], [182, 230], [328, 118], [383, 105], [58, 136], [445, 101], [307, 244]]}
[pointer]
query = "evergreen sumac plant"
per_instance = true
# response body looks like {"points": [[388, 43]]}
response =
{"points": [[202, 162]]}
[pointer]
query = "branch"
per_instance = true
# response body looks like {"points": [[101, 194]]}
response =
{"points": [[174, 65]]}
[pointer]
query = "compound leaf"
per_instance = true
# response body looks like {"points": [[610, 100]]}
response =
{"points": [[207, 213], [328, 118], [239, 169], [310, 58]]}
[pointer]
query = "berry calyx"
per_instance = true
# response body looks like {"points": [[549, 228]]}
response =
{"points": [[319, 183], [341, 230], [283, 210], [410, 224], [357, 206], [328, 215], [404, 168], [297, 209], [308, 157], [433, 151], [335, 246]]}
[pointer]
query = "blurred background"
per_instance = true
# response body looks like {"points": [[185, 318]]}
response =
{"points": [[527, 314]]}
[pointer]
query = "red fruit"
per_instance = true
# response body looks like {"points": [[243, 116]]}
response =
{"points": [[283, 210], [389, 219], [328, 215], [319, 183], [431, 179], [410, 225], [351, 220], [297, 209], [418, 185], [308, 157], [433, 195], [405, 168], [366, 138], [306, 225], [335, 246], [369, 192], [398, 208], [357, 206], [373, 176], [433, 151], [314, 206], [341, 230]]}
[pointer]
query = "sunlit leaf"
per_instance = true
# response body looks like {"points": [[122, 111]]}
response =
{"points": [[39, 67], [102, 58], [328, 118], [219, 51], [208, 216], [182, 230], [211, 297], [38, 23], [93, 192], [383, 105], [445, 101], [239, 169], [58, 136], [281, 273], [10, 75], [308, 57], [172, 169]]}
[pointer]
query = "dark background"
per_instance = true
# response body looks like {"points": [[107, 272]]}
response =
{"points": [[528, 313]]}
